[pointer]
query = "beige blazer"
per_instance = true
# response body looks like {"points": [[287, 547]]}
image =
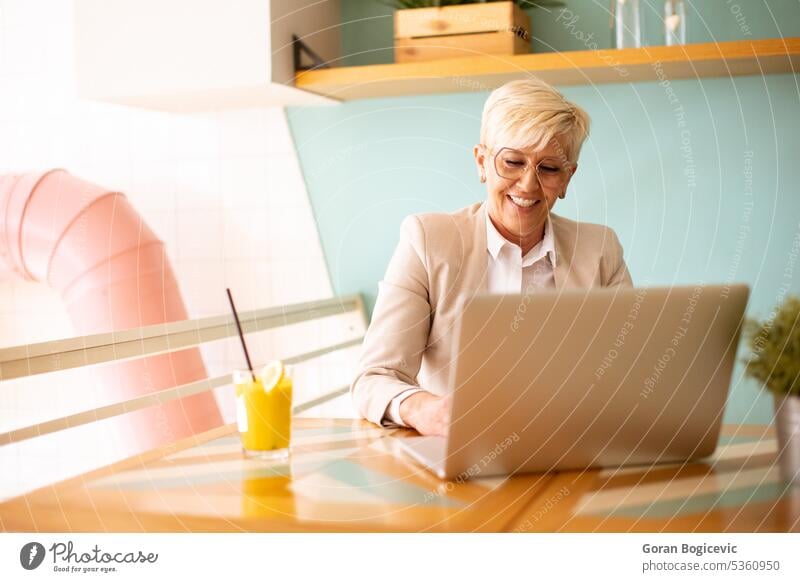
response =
{"points": [[441, 257]]}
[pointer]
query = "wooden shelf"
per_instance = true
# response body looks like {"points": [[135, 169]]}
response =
{"points": [[483, 73]]}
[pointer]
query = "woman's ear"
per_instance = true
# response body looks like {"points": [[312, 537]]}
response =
{"points": [[571, 173], [480, 157]]}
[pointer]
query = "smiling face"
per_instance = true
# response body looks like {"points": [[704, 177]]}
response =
{"points": [[519, 205]]}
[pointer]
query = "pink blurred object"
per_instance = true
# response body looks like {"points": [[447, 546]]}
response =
{"points": [[113, 274]]}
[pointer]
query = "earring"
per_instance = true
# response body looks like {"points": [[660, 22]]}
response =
{"points": [[483, 177]]}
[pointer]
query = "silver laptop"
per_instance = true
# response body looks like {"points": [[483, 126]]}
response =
{"points": [[572, 379]]}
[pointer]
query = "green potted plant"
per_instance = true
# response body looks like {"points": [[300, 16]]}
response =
{"points": [[774, 361]]}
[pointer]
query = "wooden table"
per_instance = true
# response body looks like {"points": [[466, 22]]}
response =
{"points": [[348, 475]]}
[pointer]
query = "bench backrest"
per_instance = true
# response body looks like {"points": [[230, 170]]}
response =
{"points": [[54, 424]]}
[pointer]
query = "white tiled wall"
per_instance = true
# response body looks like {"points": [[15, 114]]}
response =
{"points": [[220, 190], [223, 189]]}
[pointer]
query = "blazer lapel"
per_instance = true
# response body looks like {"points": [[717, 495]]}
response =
{"points": [[563, 253], [477, 263]]}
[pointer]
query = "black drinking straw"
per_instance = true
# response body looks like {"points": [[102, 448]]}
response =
{"points": [[241, 335]]}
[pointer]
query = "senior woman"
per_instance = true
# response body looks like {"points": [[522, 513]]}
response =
{"points": [[510, 243]]}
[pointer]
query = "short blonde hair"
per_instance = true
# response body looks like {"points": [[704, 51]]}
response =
{"points": [[529, 113]]}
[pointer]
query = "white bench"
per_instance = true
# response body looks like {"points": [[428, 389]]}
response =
{"points": [[52, 426]]}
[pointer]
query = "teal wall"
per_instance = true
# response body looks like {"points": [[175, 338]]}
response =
{"points": [[700, 179]]}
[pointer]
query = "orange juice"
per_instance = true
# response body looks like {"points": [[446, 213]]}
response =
{"points": [[264, 410]]}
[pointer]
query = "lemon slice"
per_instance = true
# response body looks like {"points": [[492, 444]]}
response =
{"points": [[271, 374]]}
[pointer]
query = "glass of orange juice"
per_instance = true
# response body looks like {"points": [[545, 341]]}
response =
{"points": [[264, 410]]}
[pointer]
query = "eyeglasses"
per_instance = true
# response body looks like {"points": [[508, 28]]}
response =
{"points": [[552, 173]]}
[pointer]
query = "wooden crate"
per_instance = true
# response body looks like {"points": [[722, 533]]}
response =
{"points": [[495, 28]]}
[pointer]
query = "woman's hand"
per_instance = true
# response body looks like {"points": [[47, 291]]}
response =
{"points": [[427, 413]]}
